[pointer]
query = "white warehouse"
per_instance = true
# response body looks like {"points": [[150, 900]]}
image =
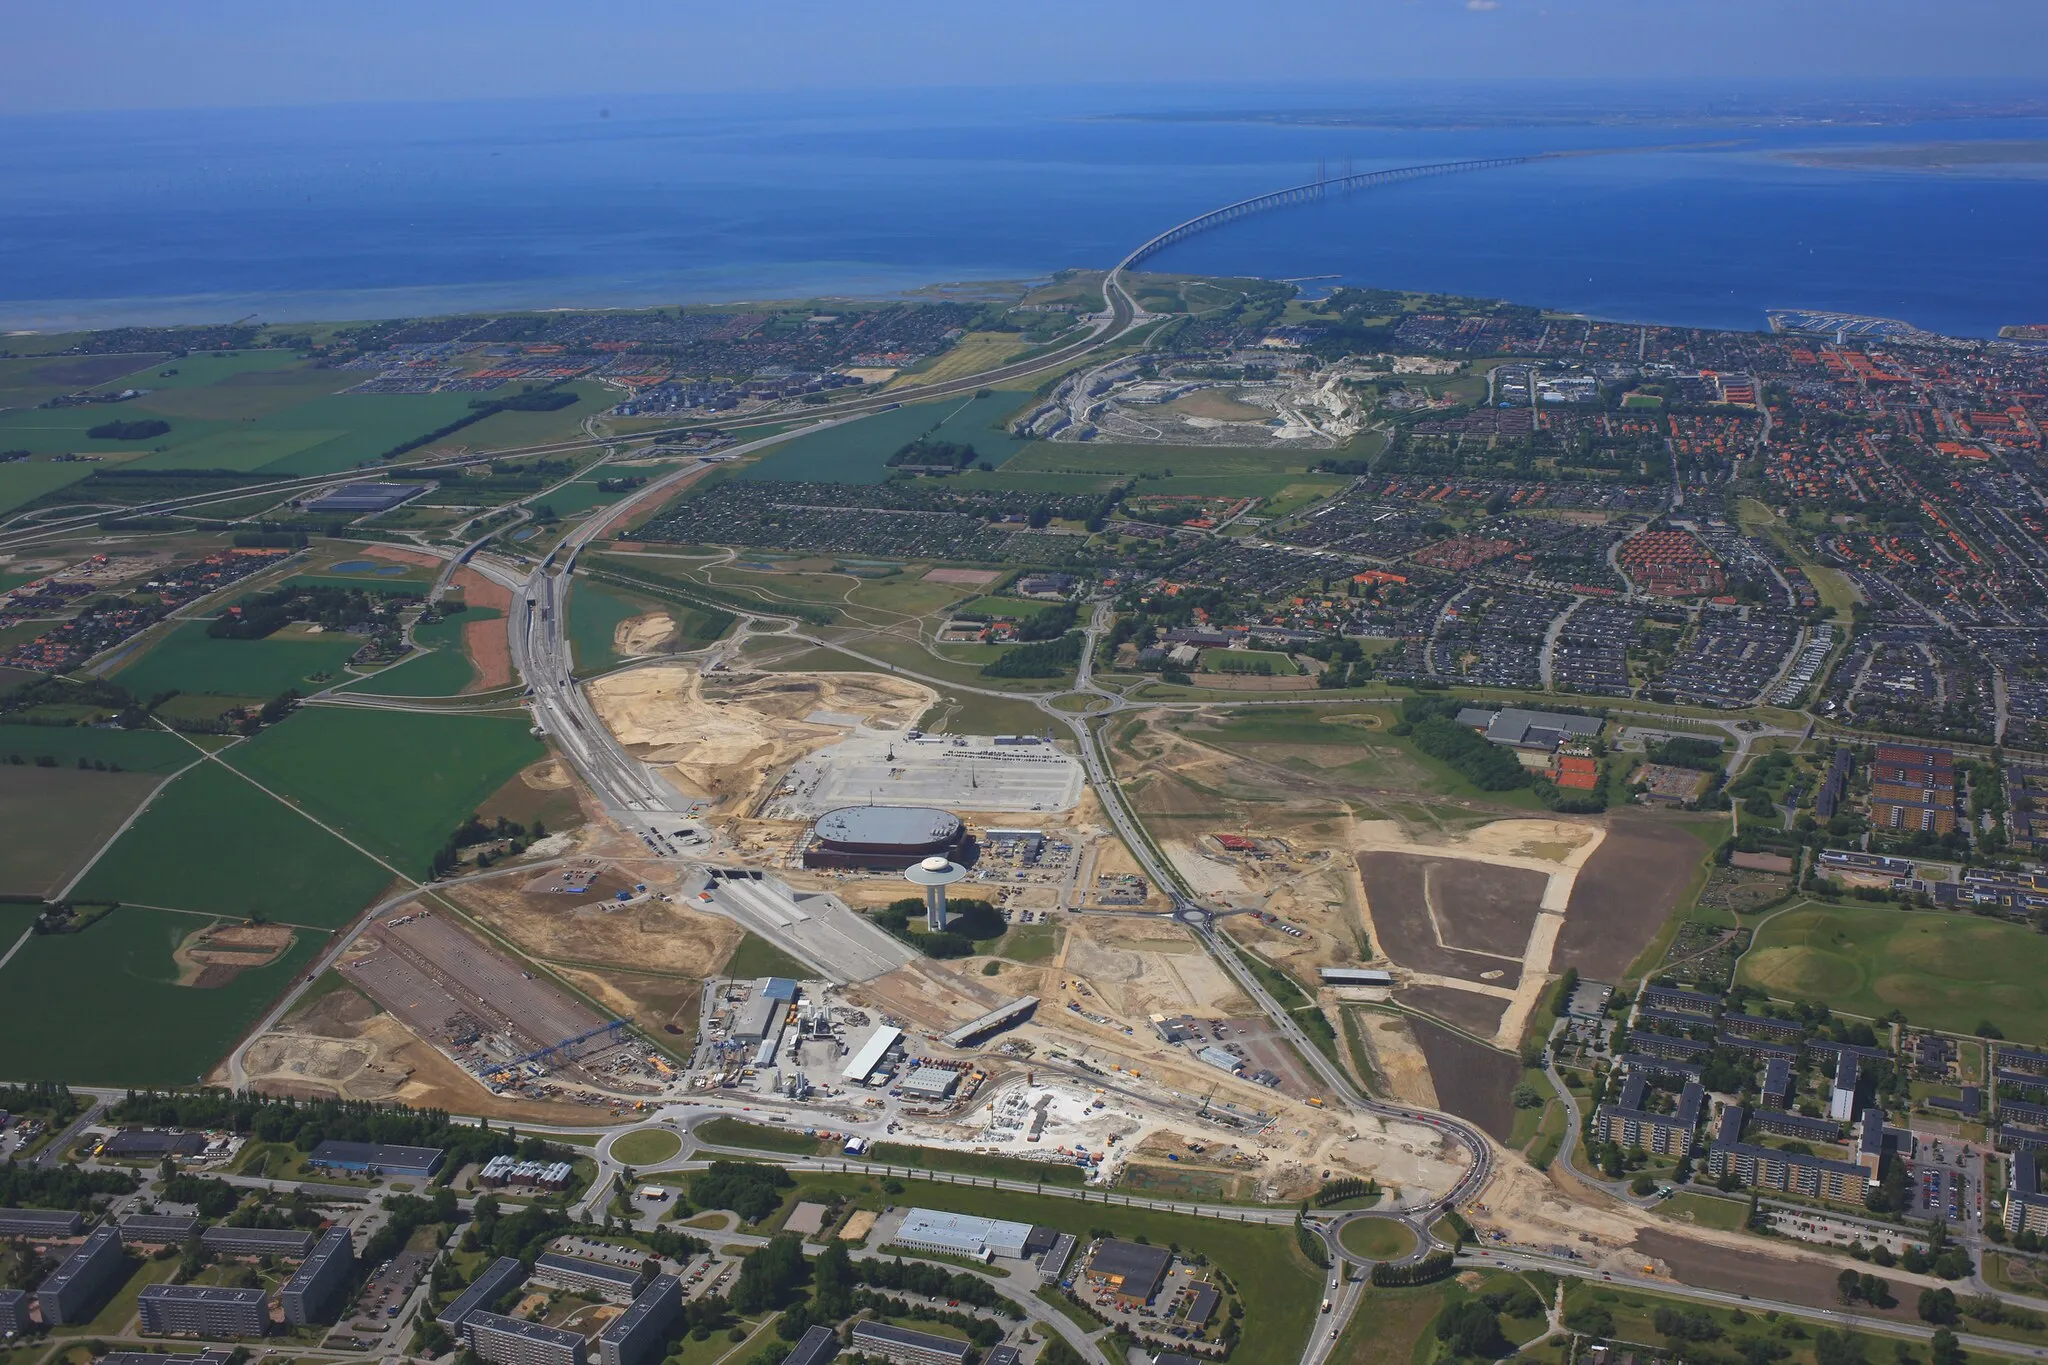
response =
{"points": [[961, 1234]]}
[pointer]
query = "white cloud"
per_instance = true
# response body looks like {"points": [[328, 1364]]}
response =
{"points": [[1482, 4]]}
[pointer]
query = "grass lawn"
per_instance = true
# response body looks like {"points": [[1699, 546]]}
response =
{"points": [[212, 842], [757, 957], [646, 1147], [1946, 971], [1707, 1211], [1030, 943], [595, 613], [1377, 1239], [974, 1163], [189, 660], [103, 1007], [1280, 1289], [759, 1137], [398, 782]]}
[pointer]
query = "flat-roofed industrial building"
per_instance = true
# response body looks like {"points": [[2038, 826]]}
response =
{"points": [[628, 1337], [206, 1310], [1132, 1271], [378, 1158], [963, 1234], [510, 1341], [309, 1295], [872, 1053]]}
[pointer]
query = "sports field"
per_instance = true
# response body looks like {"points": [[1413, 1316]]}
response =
{"points": [[398, 782], [103, 1007], [190, 660], [1947, 971], [213, 842], [858, 452]]}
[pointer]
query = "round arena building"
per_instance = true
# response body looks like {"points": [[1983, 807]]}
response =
{"points": [[883, 838]]}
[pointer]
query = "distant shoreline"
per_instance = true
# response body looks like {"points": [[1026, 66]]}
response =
{"points": [[2018, 159]]}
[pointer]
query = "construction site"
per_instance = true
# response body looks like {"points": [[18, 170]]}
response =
{"points": [[1141, 400], [505, 1024]]}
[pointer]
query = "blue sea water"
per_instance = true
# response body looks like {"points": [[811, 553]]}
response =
{"points": [[381, 210]]}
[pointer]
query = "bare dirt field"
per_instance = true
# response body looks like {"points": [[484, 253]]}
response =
{"points": [[486, 641], [217, 954], [1710, 1265], [1139, 968], [1625, 892], [1397, 1057], [966, 578], [1468, 1010], [343, 1045], [1450, 917], [1472, 1081], [1219, 405], [641, 637], [731, 737], [419, 559]]}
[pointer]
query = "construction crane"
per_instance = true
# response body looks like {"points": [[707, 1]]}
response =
{"points": [[557, 1052]]}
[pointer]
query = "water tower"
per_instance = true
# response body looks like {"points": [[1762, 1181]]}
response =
{"points": [[934, 875]]}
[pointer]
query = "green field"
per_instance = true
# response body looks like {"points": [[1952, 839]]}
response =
{"points": [[1946, 971], [1377, 1239], [756, 957], [975, 1163], [26, 480], [595, 614], [646, 1147], [103, 1007], [758, 1137], [212, 842], [397, 782], [1129, 462], [190, 660], [504, 430], [858, 452], [136, 751], [442, 673]]}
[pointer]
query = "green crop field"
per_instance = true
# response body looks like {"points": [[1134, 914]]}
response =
{"points": [[189, 660], [397, 782], [579, 496], [505, 430], [136, 751], [103, 1007], [26, 480], [859, 451], [56, 819], [212, 842], [1946, 971]]}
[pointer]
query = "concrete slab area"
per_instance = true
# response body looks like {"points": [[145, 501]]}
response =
{"points": [[815, 927], [957, 772]]}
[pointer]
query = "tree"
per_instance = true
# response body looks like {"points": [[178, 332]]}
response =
{"points": [[1469, 1329], [1938, 1306], [1946, 1350]]}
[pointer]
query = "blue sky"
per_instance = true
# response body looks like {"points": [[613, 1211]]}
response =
{"points": [[112, 54]]}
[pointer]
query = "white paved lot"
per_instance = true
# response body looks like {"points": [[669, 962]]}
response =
{"points": [[967, 773]]}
